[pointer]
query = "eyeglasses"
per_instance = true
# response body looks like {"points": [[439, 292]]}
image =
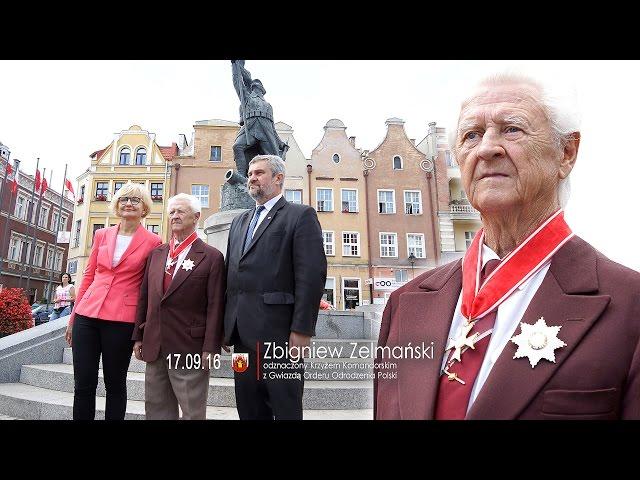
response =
{"points": [[133, 200]]}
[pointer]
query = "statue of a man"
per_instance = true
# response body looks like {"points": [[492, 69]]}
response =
{"points": [[257, 130]]}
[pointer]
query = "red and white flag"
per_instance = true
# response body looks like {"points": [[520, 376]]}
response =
{"points": [[38, 180], [67, 183], [45, 185]]}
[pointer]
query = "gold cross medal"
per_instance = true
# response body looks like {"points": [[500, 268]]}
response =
{"points": [[537, 341], [188, 264], [462, 341]]}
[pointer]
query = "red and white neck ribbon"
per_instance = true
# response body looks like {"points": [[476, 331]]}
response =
{"points": [[514, 269], [174, 252]]}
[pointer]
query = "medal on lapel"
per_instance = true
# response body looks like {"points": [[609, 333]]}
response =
{"points": [[172, 257], [188, 264], [480, 300], [537, 341]]}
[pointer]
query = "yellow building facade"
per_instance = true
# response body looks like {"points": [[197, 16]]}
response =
{"points": [[132, 155]]}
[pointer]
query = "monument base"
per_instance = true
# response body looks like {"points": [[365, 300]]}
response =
{"points": [[217, 226]]}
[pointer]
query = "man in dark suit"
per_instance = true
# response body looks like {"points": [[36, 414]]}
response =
{"points": [[276, 272], [533, 323], [179, 321]]}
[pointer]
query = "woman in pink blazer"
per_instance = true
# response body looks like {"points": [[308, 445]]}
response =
{"points": [[104, 313]]}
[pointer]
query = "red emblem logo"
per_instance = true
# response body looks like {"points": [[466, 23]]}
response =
{"points": [[240, 362]]}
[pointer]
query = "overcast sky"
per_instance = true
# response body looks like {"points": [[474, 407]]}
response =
{"points": [[61, 111]]}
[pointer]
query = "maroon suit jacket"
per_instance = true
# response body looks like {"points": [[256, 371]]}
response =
{"points": [[189, 317], [596, 376]]}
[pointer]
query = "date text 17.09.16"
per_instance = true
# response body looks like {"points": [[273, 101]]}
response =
{"points": [[193, 361]]}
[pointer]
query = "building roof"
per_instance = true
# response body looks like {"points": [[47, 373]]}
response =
{"points": [[216, 122], [169, 152], [334, 123]]}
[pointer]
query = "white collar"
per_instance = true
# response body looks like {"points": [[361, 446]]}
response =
{"points": [[269, 204]]}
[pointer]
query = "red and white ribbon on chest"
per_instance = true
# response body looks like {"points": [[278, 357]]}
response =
{"points": [[172, 257], [514, 269]]}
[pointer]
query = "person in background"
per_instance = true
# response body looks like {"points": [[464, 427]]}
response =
{"points": [[104, 313], [65, 296]]}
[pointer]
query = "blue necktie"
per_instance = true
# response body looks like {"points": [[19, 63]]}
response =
{"points": [[252, 227]]}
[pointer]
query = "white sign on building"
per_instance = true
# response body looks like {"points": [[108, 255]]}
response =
{"points": [[64, 237], [386, 283]]}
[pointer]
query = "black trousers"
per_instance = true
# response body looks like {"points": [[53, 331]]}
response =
{"points": [[269, 390], [90, 338]]}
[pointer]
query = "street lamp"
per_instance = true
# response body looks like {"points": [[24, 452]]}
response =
{"points": [[412, 260]]}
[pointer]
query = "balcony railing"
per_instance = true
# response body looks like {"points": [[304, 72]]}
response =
{"points": [[465, 209]]}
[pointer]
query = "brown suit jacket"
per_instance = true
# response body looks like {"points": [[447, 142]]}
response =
{"points": [[189, 317], [596, 376]]}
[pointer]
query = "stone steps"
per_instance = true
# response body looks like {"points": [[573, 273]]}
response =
{"points": [[318, 395], [29, 402]]}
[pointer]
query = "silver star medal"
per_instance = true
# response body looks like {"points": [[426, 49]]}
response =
{"points": [[188, 264], [537, 341]]}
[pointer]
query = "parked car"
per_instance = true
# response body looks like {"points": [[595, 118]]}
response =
{"points": [[41, 313]]}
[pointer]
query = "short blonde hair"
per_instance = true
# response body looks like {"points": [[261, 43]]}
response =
{"points": [[131, 189]]}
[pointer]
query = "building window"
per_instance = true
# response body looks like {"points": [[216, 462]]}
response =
{"points": [[388, 244], [329, 294], [351, 292], [141, 156], [59, 261], [49, 260], [216, 153], [43, 217], [386, 201], [81, 199], [350, 244], [154, 229], [324, 198], [415, 245], [15, 249], [125, 156], [349, 200], [54, 221], [327, 239], [117, 186], [37, 260], [412, 202], [400, 275], [63, 223], [463, 195], [448, 158], [202, 193], [468, 238], [156, 191], [397, 162], [96, 226], [21, 208], [336, 158], [293, 196], [102, 189], [76, 238], [72, 266]]}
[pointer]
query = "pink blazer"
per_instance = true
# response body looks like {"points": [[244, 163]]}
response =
{"points": [[111, 293]]}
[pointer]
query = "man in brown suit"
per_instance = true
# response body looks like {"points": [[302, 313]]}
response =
{"points": [[179, 321], [534, 323]]}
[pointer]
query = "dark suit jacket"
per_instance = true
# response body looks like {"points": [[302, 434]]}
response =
{"points": [[188, 318], [596, 376], [275, 287]]}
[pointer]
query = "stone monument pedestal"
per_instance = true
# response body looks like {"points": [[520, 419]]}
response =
{"points": [[216, 228]]}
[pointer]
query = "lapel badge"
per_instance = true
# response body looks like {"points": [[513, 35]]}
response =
{"points": [[537, 341], [188, 264]]}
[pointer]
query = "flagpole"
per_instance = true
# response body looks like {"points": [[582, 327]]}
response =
{"points": [[16, 168], [55, 247], [31, 209], [4, 181], [35, 229]]}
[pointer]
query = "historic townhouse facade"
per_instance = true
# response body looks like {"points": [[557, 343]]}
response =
{"points": [[337, 187], [132, 155]]}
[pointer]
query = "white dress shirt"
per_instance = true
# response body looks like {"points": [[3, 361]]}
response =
{"points": [[181, 256], [267, 208], [510, 312], [122, 242]]}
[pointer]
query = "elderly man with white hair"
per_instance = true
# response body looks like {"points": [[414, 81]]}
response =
{"points": [[180, 317], [533, 322]]}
